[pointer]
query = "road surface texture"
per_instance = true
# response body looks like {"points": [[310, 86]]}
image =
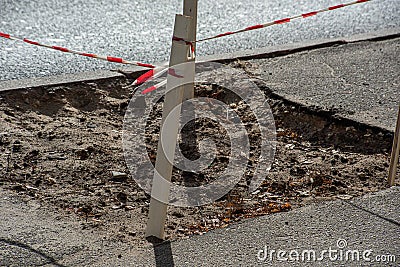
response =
{"points": [[142, 30]]}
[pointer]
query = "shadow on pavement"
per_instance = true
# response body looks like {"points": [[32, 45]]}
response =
{"points": [[373, 213], [50, 260], [162, 252]]}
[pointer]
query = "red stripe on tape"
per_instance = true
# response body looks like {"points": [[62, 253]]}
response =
{"points": [[306, 15], [281, 21], [88, 55], [362, 1], [146, 65], [5, 35], [59, 48], [225, 34], [143, 78], [148, 90], [31, 42], [336, 7], [178, 39], [259, 26], [115, 59]]}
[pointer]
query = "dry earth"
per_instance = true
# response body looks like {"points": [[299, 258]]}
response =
{"points": [[61, 145]]}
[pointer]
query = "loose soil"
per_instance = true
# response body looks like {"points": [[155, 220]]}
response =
{"points": [[61, 144]]}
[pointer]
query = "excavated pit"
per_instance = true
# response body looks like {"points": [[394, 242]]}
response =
{"points": [[61, 144]]}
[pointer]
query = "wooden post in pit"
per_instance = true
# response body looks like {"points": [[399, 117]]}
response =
{"points": [[394, 160], [168, 134], [190, 9], [188, 134]]}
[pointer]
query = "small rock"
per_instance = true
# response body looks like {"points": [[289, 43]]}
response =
{"points": [[279, 186], [144, 209], [121, 197], [297, 171], [9, 112], [31, 187], [290, 146], [91, 125], [85, 209], [16, 146], [3, 137], [131, 233], [339, 183], [333, 188], [270, 196], [84, 154], [215, 221], [304, 193], [342, 191], [118, 176], [177, 214], [33, 153], [18, 188], [344, 197], [255, 192], [317, 181], [56, 156], [362, 176]]}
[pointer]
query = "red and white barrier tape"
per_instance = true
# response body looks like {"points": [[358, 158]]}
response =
{"points": [[282, 21], [66, 50], [155, 73], [149, 75], [154, 87], [152, 73], [158, 71]]}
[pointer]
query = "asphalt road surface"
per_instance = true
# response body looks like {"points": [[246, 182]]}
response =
{"points": [[142, 29]]}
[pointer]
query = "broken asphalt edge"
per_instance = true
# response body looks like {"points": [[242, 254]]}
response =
{"points": [[267, 52]]}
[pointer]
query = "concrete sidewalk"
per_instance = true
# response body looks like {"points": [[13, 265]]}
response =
{"points": [[358, 81], [30, 235], [368, 223]]}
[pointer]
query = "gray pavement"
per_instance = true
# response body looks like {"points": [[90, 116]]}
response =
{"points": [[358, 81], [142, 30], [368, 223], [31, 234]]}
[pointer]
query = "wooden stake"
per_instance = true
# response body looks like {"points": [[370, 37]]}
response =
{"points": [[394, 160], [166, 146], [190, 9], [188, 133]]}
